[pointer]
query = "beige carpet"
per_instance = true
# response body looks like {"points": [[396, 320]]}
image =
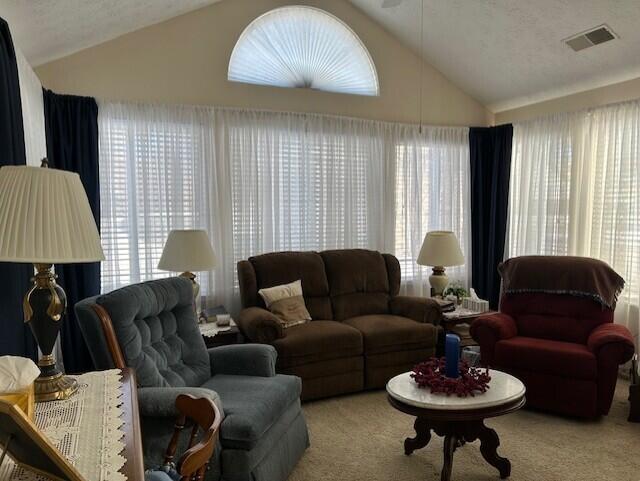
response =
{"points": [[360, 437]]}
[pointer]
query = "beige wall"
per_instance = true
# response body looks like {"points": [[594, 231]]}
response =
{"points": [[185, 59], [619, 92]]}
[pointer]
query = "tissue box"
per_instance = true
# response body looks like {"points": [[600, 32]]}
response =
{"points": [[475, 305], [24, 400]]}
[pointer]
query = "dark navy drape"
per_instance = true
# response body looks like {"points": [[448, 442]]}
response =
{"points": [[15, 336], [72, 144], [490, 152]]}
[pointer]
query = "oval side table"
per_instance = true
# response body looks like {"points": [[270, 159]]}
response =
{"points": [[458, 420]]}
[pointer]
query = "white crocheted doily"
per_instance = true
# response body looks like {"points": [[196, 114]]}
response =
{"points": [[86, 428]]}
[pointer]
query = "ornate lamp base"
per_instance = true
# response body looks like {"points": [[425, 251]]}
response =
{"points": [[44, 308], [196, 293], [438, 280], [55, 388]]}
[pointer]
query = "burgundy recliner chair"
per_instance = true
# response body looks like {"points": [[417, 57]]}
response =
{"points": [[555, 332]]}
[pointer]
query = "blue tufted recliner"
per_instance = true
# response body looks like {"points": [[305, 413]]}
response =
{"points": [[263, 433]]}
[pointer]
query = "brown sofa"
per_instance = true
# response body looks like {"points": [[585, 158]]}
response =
{"points": [[362, 332]]}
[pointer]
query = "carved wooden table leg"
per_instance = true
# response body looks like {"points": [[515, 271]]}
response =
{"points": [[450, 444], [457, 420], [421, 439], [489, 443]]}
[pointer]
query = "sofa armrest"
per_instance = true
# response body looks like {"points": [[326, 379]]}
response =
{"points": [[160, 402], [259, 325], [613, 340], [420, 309], [488, 330], [244, 360]]}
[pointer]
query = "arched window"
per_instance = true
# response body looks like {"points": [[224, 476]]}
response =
{"points": [[303, 47]]}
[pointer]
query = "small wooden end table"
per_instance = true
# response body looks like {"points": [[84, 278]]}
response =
{"points": [[215, 336], [459, 321], [458, 420]]}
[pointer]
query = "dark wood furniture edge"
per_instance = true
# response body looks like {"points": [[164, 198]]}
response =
{"points": [[110, 336], [133, 468], [458, 414], [458, 427], [468, 319]]}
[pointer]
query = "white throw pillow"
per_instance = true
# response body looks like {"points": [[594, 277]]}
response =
{"points": [[287, 303]]}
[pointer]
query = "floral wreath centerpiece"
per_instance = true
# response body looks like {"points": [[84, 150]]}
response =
{"points": [[469, 382]]}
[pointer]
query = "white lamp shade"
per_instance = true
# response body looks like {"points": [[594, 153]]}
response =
{"points": [[187, 250], [440, 248], [45, 217]]}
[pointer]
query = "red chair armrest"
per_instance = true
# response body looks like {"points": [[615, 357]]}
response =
{"points": [[488, 330], [612, 344], [501, 325], [613, 335]]}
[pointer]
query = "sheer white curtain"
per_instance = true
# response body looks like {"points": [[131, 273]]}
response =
{"points": [[432, 192], [152, 180], [574, 191], [267, 181], [302, 182]]}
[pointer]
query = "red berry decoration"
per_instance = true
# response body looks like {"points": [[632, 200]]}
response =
{"points": [[431, 374]]}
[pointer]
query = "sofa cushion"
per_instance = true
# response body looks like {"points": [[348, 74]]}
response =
{"points": [[386, 333], [252, 404], [285, 267], [317, 341], [544, 356], [158, 333], [358, 282]]}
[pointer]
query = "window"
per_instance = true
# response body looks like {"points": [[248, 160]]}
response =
{"points": [[303, 47], [432, 193], [150, 183], [539, 214], [297, 184], [266, 181], [573, 191]]}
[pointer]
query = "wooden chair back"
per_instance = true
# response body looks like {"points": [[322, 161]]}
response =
{"points": [[205, 419]]}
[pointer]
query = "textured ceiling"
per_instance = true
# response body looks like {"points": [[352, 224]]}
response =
{"points": [[509, 53], [504, 53], [50, 29]]}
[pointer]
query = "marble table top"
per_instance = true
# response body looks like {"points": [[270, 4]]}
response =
{"points": [[503, 388]]}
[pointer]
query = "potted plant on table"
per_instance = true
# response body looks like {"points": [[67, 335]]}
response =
{"points": [[455, 290]]}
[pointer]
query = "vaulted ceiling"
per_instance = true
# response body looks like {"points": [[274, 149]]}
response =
{"points": [[505, 53], [50, 29], [509, 53]]}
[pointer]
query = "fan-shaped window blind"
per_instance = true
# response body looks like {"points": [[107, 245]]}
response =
{"points": [[303, 47]]}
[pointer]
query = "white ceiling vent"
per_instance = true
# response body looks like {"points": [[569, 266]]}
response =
{"points": [[595, 36]]}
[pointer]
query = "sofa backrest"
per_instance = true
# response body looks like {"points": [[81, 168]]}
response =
{"points": [[278, 268], [158, 334], [336, 284], [559, 317], [358, 282]]}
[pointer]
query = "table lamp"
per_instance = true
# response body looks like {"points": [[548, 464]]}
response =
{"points": [[188, 251], [440, 249], [46, 219]]}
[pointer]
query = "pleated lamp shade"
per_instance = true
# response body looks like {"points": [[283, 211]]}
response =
{"points": [[45, 217], [440, 248], [187, 251], [303, 47]]}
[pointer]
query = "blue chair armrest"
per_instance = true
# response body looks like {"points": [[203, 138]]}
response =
{"points": [[244, 360], [157, 475], [160, 402]]}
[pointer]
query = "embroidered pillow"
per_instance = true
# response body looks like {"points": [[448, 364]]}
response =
{"points": [[286, 302]]}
